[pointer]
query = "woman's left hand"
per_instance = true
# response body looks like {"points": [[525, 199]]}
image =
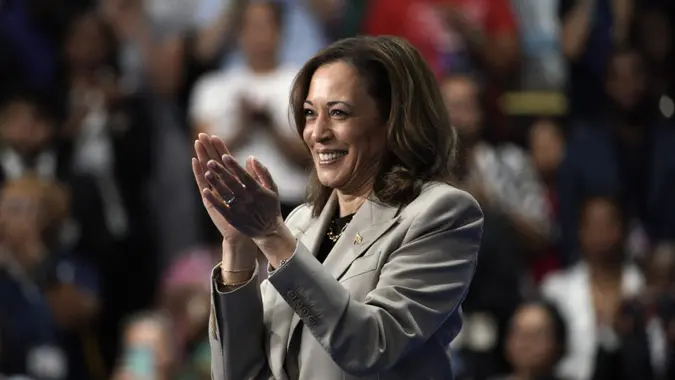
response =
{"points": [[251, 204]]}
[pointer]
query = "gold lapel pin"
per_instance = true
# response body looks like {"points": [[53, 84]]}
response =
{"points": [[357, 239]]}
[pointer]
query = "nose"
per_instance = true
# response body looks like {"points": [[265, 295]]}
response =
{"points": [[322, 130]]}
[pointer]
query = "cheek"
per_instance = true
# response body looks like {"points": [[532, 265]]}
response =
{"points": [[307, 134]]}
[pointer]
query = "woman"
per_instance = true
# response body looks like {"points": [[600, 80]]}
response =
{"points": [[366, 279], [590, 294], [536, 342]]}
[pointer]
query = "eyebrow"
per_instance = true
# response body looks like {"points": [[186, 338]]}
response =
{"points": [[331, 103]]}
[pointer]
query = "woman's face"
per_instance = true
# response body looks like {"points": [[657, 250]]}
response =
{"points": [[600, 232], [531, 344], [343, 129], [546, 146]]}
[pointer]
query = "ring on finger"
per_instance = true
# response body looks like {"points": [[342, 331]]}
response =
{"points": [[230, 200]]}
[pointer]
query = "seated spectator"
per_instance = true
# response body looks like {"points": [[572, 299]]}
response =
{"points": [[30, 212], [148, 350], [516, 220], [27, 128], [501, 176], [627, 153], [589, 31], [590, 293], [536, 342], [248, 106], [302, 34], [642, 346], [72, 292], [547, 148], [186, 297]]}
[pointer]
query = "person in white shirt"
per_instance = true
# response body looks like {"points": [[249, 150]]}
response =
{"points": [[248, 106], [590, 294]]}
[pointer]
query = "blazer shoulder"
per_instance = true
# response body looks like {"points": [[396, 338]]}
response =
{"points": [[445, 205], [442, 196]]}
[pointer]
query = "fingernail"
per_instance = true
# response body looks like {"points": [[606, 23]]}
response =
{"points": [[212, 164], [208, 174], [227, 158]]}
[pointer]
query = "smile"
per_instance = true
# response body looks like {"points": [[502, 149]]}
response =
{"points": [[331, 157]]}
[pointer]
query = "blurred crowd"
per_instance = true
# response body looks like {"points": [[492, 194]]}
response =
{"points": [[565, 113]]}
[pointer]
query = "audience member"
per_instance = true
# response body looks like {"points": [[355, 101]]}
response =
{"points": [[590, 293], [102, 98], [547, 148], [537, 341], [248, 106], [625, 153]]}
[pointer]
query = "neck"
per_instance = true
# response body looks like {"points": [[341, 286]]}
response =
{"points": [[527, 374], [262, 66], [349, 203], [605, 271]]}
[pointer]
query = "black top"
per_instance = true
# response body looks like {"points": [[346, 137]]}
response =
{"points": [[337, 225]]}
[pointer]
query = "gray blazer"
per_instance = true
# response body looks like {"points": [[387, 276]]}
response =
{"points": [[383, 305]]}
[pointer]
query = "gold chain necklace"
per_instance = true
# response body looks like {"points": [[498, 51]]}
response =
{"points": [[332, 236]]}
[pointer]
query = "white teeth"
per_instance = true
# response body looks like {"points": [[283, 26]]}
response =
{"points": [[330, 157]]}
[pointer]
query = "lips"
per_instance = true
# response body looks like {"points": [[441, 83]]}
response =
{"points": [[330, 157]]}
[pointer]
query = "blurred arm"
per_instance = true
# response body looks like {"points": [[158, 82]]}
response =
{"points": [[576, 27]]}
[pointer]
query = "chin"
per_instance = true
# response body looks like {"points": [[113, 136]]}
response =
{"points": [[329, 179]]}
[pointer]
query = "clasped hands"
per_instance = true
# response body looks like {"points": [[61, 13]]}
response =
{"points": [[243, 203]]}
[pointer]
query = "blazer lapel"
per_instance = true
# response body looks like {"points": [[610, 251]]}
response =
{"points": [[312, 239], [369, 223], [314, 235]]}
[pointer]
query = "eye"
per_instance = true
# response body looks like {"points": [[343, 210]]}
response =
{"points": [[338, 113], [308, 112]]}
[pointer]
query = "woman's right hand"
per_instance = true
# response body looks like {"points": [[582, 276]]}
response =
{"points": [[212, 148], [239, 251]]}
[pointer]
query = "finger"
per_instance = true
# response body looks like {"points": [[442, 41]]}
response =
{"points": [[219, 145], [202, 154], [229, 179], [263, 173], [232, 166], [251, 171], [218, 186], [198, 172], [208, 145]]}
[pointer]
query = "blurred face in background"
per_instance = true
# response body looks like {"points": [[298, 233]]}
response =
{"points": [[21, 223], [23, 129], [155, 336], [626, 86], [260, 32], [661, 267], [461, 99], [531, 343], [87, 45], [547, 147], [655, 35], [601, 231], [189, 307]]}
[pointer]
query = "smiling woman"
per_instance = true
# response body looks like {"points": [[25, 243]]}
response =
{"points": [[342, 105], [366, 278]]}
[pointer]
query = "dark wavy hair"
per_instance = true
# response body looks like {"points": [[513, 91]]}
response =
{"points": [[421, 144]]}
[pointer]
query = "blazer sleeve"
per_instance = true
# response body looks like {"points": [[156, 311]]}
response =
{"points": [[421, 284], [237, 330]]}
